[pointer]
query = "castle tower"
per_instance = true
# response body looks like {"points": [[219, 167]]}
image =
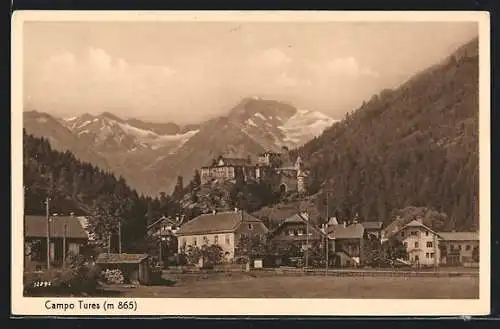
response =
{"points": [[298, 163], [300, 175]]}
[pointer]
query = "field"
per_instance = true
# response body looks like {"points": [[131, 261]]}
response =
{"points": [[247, 286]]}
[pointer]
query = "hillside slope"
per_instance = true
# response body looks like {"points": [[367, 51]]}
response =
{"points": [[416, 145]]}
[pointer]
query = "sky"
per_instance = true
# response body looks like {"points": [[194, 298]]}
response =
{"points": [[187, 72]]}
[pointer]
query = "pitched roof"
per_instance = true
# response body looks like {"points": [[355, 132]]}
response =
{"points": [[416, 223], [398, 224], [460, 236], [36, 227], [413, 223], [169, 221], [214, 223], [233, 161], [106, 258], [353, 231], [297, 218], [372, 225]]}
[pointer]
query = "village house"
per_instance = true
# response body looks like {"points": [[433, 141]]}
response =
{"points": [[220, 228], [373, 228], [163, 231], [296, 231], [163, 227], [347, 243], [459, 248], [420, 241], [67, 234], [224, 168]]}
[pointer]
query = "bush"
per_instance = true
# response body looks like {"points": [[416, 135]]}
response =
{"points": [[76, 277], [114, 276]]}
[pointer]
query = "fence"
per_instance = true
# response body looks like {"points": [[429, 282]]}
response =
{"points": [[322, 272], [368, 273]]}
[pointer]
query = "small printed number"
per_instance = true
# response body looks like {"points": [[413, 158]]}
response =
{"points": [[38, 284], [126, 305]]}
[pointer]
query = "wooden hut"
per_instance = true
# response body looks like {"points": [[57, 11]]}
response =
{"points": [[135, 267]]}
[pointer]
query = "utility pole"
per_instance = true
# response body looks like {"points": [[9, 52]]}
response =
{"points": [[48, 231], [307, 241], [64, 241], [326, 235], [435, 251], [119, 237], [109, 243]]}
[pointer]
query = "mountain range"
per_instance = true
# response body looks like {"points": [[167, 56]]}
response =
{"points": [[151, 155]]}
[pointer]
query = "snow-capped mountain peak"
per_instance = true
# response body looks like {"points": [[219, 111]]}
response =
{"points": [[113, 133], [305, 125]]}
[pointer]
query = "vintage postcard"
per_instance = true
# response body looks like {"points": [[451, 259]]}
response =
{"points": [[250, 163]]}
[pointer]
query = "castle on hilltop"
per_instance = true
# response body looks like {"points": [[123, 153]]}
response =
{"points": [[284, 172]]}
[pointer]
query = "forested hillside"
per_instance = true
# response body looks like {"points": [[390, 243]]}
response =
{"points": [[79, 187], [416, 145]]}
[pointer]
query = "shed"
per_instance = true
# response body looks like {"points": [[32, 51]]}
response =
{"points": [[135, 267]]}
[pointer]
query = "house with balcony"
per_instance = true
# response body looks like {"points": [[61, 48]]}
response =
{"points": [[459, 248], [295, 232], [420, 241], [347, 243], [373, 227]]}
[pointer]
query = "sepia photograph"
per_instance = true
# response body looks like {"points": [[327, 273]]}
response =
{"points": [[301, 162]]}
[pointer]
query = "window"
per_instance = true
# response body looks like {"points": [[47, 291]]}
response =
{"points": [[290, 232], [427, 255], [467, 247], [432, 255], [414, 233], [295, 232], [216, 239], [426, 233], [459, 247], [301, 232], [228, 239], [416, 244], [205, 240], [405, 244], [194, 241], [429, 244], [403, 234], [250, 226]]}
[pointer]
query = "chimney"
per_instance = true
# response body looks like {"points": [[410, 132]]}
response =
{"points": [[344, 224], [214, 212], [235, 209]]}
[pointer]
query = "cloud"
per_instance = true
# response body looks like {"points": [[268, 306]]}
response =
{"points": [[96, 79], [274, 57], [349, 66]]}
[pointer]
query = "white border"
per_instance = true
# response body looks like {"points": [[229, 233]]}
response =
{"points": [[300, 307]]}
